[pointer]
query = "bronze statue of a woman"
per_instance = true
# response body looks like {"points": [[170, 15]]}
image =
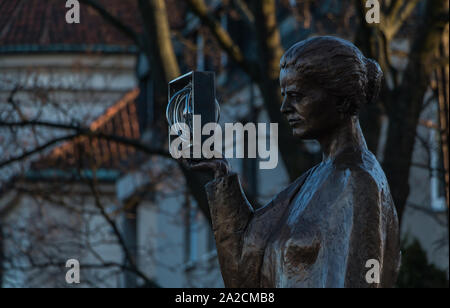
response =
{"points": [[337, 221]]}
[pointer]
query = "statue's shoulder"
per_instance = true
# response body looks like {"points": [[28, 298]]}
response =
{"points": [[368, 185], [363, 169]]}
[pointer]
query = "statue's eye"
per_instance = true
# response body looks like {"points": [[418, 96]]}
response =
{"points": [[295, 95]]}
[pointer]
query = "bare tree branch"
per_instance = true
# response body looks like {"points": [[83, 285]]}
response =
{"points": [[434, 215], [128, 257], [245, 11], [114, 21], [398, 19], [223, 37], [36, 150], [80, 131]]}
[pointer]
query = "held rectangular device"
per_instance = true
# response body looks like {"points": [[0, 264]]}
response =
{"points": [[192, 94]]}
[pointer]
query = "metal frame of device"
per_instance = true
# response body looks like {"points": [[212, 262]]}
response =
{"points": [[202, 96]]}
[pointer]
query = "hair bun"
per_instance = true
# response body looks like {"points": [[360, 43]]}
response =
{"points": [[374, 77]]}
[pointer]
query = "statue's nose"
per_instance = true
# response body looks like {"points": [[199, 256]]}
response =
{"points": [[284, 106]]}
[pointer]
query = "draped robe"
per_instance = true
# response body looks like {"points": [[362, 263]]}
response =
{"points": [[320, 231]]}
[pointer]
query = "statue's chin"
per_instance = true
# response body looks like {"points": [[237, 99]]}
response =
{"points": [[300, 133]]}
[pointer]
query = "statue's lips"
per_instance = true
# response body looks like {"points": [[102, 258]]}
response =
{"points": [[295, 122]]}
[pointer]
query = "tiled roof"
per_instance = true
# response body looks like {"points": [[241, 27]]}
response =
{"points": [[121, 120], [37, 25]]}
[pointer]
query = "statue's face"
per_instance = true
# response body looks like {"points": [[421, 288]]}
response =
{"points": [[310, 111]]}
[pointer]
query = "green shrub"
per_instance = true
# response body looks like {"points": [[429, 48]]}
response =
{"points": [[416, 271]]}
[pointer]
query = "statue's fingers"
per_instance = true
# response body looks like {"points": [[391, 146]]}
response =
{"points": [[218, 155], [203, 166]]}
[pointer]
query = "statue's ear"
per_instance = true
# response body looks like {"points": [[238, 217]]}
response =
{"points": [[347, 106], [343, 105]]}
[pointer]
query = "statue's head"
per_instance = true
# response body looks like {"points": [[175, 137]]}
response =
{"points": [[324, 82]]}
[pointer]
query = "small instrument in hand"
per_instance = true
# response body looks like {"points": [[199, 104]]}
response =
{"points": [[190, 96]]}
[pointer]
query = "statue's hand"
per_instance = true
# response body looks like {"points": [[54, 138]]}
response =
{"points": [[219, 166]]}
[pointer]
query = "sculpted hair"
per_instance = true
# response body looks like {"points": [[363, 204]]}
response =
{"points": [[338, 67]]}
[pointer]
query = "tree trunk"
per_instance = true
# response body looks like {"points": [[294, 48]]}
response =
{"points": [[163, 63], [164, 68], [442, 74], [296, 159], [407, 101], [370, 116]]}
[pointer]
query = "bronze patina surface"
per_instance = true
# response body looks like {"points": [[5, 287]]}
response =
{"points": [[322, 229]]}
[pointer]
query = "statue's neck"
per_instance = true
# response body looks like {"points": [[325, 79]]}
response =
{"points": [[346, 137]]}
